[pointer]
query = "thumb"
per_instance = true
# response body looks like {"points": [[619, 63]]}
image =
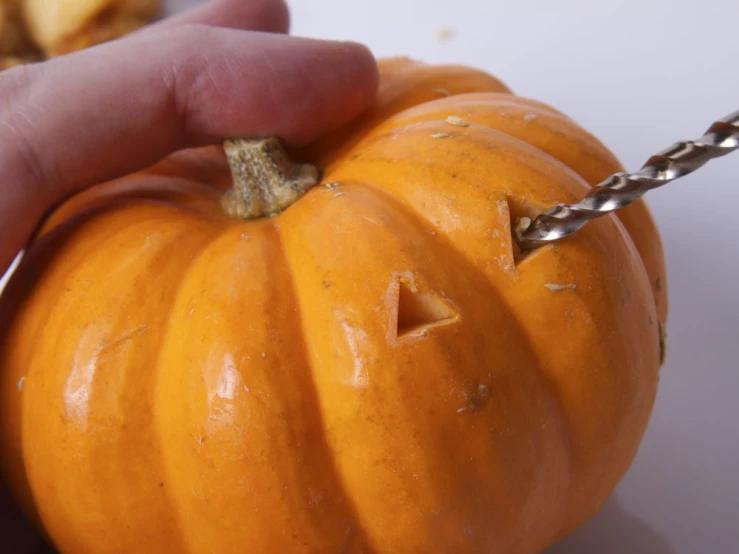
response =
{"points": [[98, 114]]}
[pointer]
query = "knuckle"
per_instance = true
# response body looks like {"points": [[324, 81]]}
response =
{"points": [[21, 152]]}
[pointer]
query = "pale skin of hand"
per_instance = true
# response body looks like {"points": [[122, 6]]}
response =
{"points": [[224, 69]]}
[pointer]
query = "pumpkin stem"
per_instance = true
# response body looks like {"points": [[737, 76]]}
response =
{"points": [[265, 181]]}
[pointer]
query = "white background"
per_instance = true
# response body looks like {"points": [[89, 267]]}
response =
{"points": [[640, 75]]}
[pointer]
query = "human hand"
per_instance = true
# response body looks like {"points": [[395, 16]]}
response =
{"points": [[214, 72], [222, 70]]}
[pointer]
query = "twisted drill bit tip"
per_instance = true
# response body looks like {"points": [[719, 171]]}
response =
{"points": [[621, 189]]}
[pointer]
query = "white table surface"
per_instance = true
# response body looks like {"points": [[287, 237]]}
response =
{"points": [[640, 74]]}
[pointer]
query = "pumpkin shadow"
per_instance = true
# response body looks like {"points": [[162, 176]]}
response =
{"points": [[613, 531], [18, 535]]}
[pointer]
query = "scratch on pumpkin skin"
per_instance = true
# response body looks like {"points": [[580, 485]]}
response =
{"points": [[476, 399], [555, 287], [91, 350], [229, 379], [355, 337], [569, 317], [458, 121], [128, 336]]}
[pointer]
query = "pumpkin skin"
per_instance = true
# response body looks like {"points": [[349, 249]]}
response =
{"points": [[373, 370]]}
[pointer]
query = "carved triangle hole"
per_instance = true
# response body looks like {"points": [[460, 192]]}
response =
{"points": [[420, 311], [521, 212]]}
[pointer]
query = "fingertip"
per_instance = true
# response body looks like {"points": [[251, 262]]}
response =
{"points": [[365, 64], [344, 78], [281, 16], [369, 67], [362, 77]]}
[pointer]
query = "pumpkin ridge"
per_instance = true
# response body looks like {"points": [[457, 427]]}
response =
{"points": [[173, 245], [102, 410], [566, 431], [557, 135], [41, 251], [517, 143], [327, 453], [482, 105], [523, 146], [23, 279], [631, 386], [471, 101], [401, 197], [415, 219], [103, 206], [167, 321]]}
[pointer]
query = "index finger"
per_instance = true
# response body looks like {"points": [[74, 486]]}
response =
{"points": [[95, 115]]}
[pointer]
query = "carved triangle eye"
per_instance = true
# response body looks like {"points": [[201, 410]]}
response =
{"points": [[521, 213], [420, 311]]}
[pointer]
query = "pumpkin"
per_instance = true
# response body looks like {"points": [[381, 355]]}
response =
{"points": [[338, 348], [64, 26], [15, 45], [33, 30]]}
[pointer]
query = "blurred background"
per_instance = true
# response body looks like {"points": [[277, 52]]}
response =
{"points": [[639, 74]]}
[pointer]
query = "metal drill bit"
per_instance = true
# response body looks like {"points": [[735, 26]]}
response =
{"points": [[622, 189]]}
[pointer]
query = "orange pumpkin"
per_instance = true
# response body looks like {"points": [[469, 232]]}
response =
{"points": [[373, 368]]}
